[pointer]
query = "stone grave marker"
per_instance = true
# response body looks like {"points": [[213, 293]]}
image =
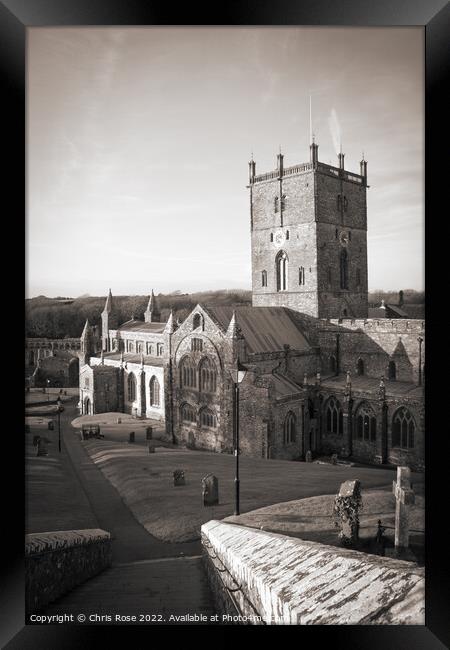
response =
{"points": [[308, 456], [149, 432], [178, 477], [151, 449], [42, 449], [131, 436], [334, 459], [210, 490], [119, 420], [404, 498], [347, 505]]}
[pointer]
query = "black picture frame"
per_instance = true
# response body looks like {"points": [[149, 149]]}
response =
{"points": [[434, 16]]}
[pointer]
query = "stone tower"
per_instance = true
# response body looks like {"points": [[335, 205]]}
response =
{"points": [[309, 237], [109, 321], [152, 313]]}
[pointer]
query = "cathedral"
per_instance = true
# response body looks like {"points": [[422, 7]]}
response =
{"points": [[316, 374]]}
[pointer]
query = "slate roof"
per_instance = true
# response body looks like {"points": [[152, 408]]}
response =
{"points": [[265, 329], [283, 385], [140, 326]]}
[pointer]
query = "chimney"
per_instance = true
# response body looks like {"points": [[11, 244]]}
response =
{"points": [[341, 160], [400, 298]]}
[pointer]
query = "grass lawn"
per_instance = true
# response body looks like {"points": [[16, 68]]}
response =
{"points": [[145, 482]]}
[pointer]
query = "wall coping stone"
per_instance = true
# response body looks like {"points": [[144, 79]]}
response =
{"points": [[36, 543], [292, 581]]}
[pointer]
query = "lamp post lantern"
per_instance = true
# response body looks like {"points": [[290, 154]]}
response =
{"points": [[59, 409], [237, 375]]}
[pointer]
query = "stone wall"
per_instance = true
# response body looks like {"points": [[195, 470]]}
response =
{"points": [[56, 562], [275, 579]]}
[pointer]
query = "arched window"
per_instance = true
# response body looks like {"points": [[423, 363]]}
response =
{"points": [[281, 263], [139, 347], [276, 204], [149, 348], [344, 268], [188, 413], [208, 418], [154, 392], [392, 371], [360, 367], [334, 418], [283, 204], [271, 236], [197, 321], [264, 278], [301, 275], [366, 423], [289, 429], [332, 364], [208, 376], [131, 384], [287, 234], [403, 429], [188, 373]]}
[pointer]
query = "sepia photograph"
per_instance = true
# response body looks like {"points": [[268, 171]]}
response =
{"points": [[225, 326]]}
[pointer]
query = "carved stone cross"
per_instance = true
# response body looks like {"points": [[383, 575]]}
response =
{"points": [[404, 498]]}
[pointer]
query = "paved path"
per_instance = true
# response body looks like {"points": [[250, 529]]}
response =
{"points": [[148, 576]]}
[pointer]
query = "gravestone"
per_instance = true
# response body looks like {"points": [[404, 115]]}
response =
{"points": [[131, 437], [42, 449], [308, 456], [178, 477], [404, 498], [51, 425], [151, 449], [334, 459], [119, 420], [149, 432], [346, 511], [210, 490]]}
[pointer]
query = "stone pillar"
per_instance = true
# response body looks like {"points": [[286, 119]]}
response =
{"points": [[381, 415], [404, 498], [142, 400]]}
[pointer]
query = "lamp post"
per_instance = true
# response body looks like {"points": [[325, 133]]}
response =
{"points": [[237, 375], [59, 408]]}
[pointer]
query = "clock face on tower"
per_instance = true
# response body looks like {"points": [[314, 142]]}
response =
{"points": [[279, 238], [343, 238]]}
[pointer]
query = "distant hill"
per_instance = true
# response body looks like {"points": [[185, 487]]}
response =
{"points": [[57, 318], [62, 317]]}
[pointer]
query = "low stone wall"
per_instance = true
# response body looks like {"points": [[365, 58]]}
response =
{"points": [[56, 562], [267, 578]]}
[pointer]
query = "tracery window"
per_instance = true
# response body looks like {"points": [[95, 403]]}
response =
{"points": [[281, 263], [208, 375], [366, 423], [188, 373], [289, 433], [188, 413], [154, 392], [334, 419], [131, 385], [403, 429], [196, 345], [208, 418]]}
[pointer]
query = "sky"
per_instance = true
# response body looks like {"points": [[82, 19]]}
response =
{"points": [[138, 142]]}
